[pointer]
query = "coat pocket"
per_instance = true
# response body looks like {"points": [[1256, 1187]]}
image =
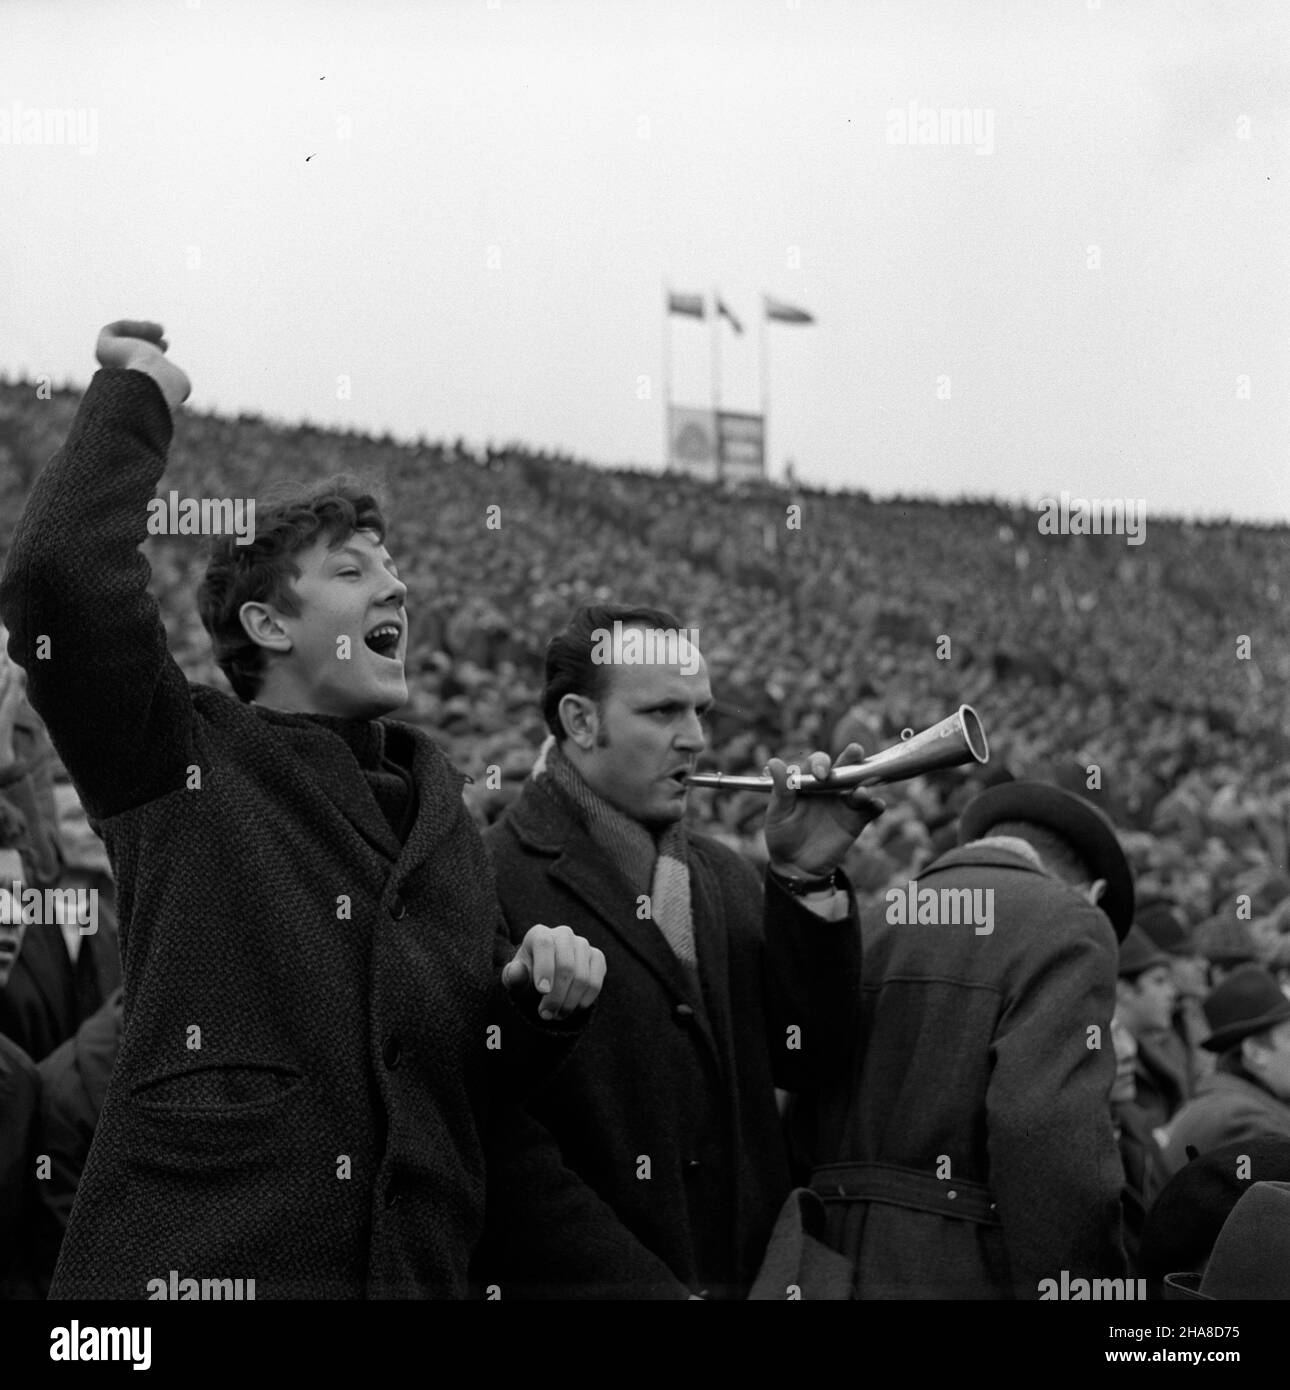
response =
{"points": [[217, 1118]]}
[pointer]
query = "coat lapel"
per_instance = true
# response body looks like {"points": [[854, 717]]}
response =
{"points": [[43, 956], [439, 804], [712, 947], [329, 764], [580, 865]]}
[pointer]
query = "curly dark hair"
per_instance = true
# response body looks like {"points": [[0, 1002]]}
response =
{"points": [[263, 571]]}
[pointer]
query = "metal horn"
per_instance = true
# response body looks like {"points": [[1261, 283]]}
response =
{"points": [[951, 743]]}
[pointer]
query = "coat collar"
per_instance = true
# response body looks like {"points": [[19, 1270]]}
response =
{"points": [[542, 823], [327, 760], [1229, 1083], [980, 855]]}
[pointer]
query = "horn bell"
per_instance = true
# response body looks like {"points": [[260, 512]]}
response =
{"points": [[954, 741]]}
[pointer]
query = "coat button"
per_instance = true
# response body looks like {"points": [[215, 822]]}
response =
{"points": [[392, 1051], [683, 1013], [398, 908], [692, 1165]]}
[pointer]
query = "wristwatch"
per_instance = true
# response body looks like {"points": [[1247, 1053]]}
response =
{"points": [[802, 887]]}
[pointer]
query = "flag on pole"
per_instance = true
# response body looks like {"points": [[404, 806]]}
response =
{"points": [[779, 312], [724, 312], [691, 304]]}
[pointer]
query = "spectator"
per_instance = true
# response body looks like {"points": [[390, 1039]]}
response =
{"points": [[1249, 1093], [724, 987], [1145, 996], [74, 1081], [970, 1153]]}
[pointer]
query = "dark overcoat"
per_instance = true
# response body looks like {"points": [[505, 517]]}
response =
{"points": [[971, 1153], [667, 1108], [1162, 1080], [49, 996], [305, 1079]]}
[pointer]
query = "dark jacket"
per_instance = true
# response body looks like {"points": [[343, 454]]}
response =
{"points": [[49, 996], [304, 1082], [74, 1081], [667, 1109], [1143, 1175], [19, 1109], [1226, 1107], [971, 1153], [1162, 1077]]}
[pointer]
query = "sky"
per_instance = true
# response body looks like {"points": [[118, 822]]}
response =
{"points": [[459, 217]]}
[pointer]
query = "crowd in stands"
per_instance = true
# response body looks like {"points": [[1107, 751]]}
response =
{"points": [[1150, 678]]}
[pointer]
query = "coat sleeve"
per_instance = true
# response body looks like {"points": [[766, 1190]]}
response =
{"points": [[75, 597], [1055, 1168], [548, 1234], [812, 988]]}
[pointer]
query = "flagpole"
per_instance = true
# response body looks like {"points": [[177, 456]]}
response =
{"points": [[667, 376], [716, 378], [763, 354]]}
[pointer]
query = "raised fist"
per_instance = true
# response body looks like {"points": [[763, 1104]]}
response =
{"points": [[141, 347]]}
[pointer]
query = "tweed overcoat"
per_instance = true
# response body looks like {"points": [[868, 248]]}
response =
{"points": [[1226, 1107], [972, 1153], [305, 1078], [667, 1108]]}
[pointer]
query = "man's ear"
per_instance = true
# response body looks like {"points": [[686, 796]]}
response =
{"points": [[580, 720], [1123, 993], [262, 625]]}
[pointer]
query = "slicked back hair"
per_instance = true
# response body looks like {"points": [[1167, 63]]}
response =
{"points": [[569, 667], [264, 571]]}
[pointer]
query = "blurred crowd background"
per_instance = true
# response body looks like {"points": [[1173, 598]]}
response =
{"points": [[818, 626]]}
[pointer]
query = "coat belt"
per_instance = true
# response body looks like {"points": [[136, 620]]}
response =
{"points": [[905, 1187]]}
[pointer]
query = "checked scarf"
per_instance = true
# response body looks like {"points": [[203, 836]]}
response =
{"points": [[659, 867]]}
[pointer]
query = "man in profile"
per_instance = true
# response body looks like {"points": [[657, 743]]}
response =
{"points": [[1248, 1094], [970, 1152]]}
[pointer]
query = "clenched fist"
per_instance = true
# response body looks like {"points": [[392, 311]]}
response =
{"points": [[564, 967], [140, 346]]}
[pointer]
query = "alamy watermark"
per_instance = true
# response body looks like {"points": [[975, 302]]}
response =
{"points": [[646, 646], [50, 125], [204, 516], [1098, 516], [199, 1290], [942, 125], [1081, 1290], [941, 907], [77, 1343], [21, 906]]}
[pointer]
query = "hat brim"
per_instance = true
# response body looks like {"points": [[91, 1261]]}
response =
{"points": [[1223, 1038], [1082, 825]]}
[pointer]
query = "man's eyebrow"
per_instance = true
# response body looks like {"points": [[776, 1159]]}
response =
{"points": [[357, 554], [674, 702]]}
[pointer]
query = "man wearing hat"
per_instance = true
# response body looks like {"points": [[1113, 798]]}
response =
{"points": [[969, 1152], [1188, 1213], [1251, 1257], [1225, 943], [1145, 995], [1249, 1093], [1180, 1040]]}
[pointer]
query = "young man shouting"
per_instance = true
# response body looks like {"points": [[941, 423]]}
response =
{"points": [[316, 1041]]}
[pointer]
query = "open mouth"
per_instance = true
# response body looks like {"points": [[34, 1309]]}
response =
{"points": [[384, 640]]}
